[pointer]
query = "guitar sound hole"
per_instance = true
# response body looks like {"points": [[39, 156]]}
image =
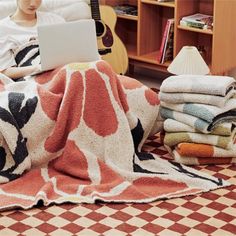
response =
{"points": [[99, 28]]}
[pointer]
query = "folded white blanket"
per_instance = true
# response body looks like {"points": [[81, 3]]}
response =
{"points": [[214, 85], [214, 100], [171, 125]]}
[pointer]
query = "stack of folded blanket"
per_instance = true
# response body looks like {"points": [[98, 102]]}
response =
{"points": [[199, 113]]}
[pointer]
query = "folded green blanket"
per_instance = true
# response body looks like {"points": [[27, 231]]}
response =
{"points": [[214, 100], [213, 85], [170, 125], [226, 142]]}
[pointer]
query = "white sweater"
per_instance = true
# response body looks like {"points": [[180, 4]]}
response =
{"points": [[13, 36]]}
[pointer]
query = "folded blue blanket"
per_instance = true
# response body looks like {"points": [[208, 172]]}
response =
{"points": [[195, 122], [208, 113]]}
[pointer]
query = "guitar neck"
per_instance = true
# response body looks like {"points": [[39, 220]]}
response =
{"points": [[95, 9]]}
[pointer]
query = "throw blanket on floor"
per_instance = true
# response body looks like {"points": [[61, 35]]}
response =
{"points": [[75, 135], [213, 85]]}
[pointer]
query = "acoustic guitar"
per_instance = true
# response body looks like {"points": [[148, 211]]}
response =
{"points": [[110, 45]]}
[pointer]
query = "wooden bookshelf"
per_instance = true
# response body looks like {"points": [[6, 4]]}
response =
{"points": [[142, 34]]}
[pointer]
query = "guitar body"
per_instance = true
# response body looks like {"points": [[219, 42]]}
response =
{"points": [[110, 46]]}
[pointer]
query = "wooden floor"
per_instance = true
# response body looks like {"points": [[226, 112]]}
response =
{"points": [[151, 78]]}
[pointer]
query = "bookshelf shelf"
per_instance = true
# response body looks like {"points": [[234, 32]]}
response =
{"points": [[152, 58], [127, 17], [142, 34], [202, 31]]}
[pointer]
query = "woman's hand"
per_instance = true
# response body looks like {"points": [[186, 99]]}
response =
{"points": [[19, 72], [36, 69]]}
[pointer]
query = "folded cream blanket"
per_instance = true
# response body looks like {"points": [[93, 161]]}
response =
{"points": [[170, 125], [214, 85], [226, 142], [214, 100]]}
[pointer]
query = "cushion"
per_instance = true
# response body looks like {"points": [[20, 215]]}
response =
{"points": [[70, 10]]}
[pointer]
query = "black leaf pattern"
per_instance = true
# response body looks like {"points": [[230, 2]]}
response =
{"points": [[182, 169], [2, 157], [21, 114], [18, 116]]}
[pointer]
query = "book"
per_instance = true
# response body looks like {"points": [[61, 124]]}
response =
{"points": [[169, 44], [164, 39], [192, 24], [198, 20]]}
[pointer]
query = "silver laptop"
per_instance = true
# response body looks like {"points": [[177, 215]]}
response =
{"points": [[68, 42]]}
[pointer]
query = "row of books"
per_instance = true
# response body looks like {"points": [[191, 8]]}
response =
{"points": [[126, 9], [130, 9], [167, 43], [198, 20]]}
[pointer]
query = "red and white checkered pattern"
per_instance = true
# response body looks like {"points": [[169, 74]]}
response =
{"points": [[211, 213]]}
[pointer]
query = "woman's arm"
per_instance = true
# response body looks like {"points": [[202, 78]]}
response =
{"points": [[18, 72]]}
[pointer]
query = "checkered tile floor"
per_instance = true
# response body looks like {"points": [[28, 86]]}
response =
{"points": [[212, 213]]}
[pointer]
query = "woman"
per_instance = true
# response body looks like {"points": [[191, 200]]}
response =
{"points": [[18, 35]]}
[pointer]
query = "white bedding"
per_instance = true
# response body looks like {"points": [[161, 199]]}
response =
{"points": [[69, 9]]}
